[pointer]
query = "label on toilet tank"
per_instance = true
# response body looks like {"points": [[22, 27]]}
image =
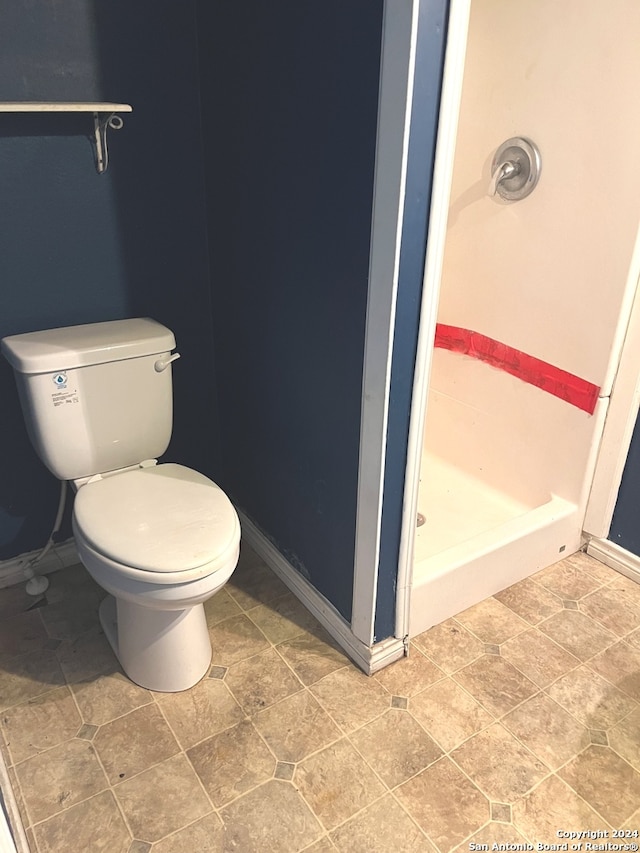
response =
{"points": [[64, 395]]}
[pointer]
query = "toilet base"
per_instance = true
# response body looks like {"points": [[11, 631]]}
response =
{"points": [[163, 650]]}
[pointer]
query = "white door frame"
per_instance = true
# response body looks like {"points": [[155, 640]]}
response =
{"points": [[394, 110], [453, 75], [400, 30], [623, 385]]}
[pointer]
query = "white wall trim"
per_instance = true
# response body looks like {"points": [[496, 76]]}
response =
{"points": [[394, 112], [12, 835], [615, 557], [453, 75], [59, 557], [369, 659], [621, 415]]}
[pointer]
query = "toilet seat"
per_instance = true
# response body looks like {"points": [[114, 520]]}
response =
{"points": [[166, 520]]}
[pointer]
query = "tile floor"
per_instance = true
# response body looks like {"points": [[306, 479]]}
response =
{"points": [[516, 719]]}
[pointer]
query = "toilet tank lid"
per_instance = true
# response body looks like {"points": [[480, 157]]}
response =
{"points": [[81, 346]]}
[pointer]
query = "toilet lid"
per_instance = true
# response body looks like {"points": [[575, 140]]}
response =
{"points": [[166, 518]]}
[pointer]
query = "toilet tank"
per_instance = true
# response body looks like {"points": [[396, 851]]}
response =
{"points": [[96, 397]]}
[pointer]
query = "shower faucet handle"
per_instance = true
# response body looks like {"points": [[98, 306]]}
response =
{"points": [[504, 171], [515, 169]]}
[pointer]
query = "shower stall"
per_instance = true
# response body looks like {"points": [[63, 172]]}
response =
{"points": [[518, 354]]}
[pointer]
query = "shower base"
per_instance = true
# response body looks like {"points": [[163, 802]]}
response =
{"points": [[477, 540]]}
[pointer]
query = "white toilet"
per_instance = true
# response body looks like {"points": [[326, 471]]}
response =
{"points": [[161, 539]]}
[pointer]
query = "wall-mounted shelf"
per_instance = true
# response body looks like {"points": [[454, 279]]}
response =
{"points": [[104, 115]]}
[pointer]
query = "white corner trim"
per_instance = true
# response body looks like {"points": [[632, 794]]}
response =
{"points": [[12, 834], [59, 557], [452, 79], [615, 557], [369, 659], [397, 61]]}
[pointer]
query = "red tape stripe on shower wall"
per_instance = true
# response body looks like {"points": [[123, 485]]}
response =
{"points": [[536, 372]]}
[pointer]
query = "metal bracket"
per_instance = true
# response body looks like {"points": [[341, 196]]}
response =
{"points": [[102, 121]]}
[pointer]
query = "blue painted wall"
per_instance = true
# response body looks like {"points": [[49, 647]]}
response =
{"points": [[625, 527], [289, 97], [80, 247]]}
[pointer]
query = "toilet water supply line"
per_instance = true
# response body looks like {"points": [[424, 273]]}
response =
{"points": [[37, 584]]}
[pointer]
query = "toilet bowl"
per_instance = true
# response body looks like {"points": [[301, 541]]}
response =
{"points": [[159, 538]]}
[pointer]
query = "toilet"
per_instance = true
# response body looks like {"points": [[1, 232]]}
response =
{"points": [[161, 539]]}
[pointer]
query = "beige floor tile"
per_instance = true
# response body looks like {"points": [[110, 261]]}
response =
{"points": [[26, 676], [620, 664], [549, 731], [270, 819], [337, 783], [606, 782], [499, 765], [220, 607], [624, 738], [312, 655], [491, 621], [567, 580], [324, 845], [530, 601], [59, 778], [495, 683], [239, 768], [144, 799], [449, 713], [592, 700], [282, 619], [40, 723], [232, 762], [633, 639], [72, 583], [95, 825], [235, 639], [493, 833], [577, 633], [351, 698], [383, 826], [409, 675], [196, 714], [296, 727], [15, 600], [261, 681], [19, 799], [396, 746], [613, 607], [553, 805], [633, 824], [585, 564], [204, 836], [107, 697], [445, 804], [134, 743], [254, 584], [449, 645], [87, 656], [71, 610], [22, 634], [538, 657]]}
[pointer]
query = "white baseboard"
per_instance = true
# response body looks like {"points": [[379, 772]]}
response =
{"points": [[12, 834], [615, 557], [369, 658], [59, 557]]}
